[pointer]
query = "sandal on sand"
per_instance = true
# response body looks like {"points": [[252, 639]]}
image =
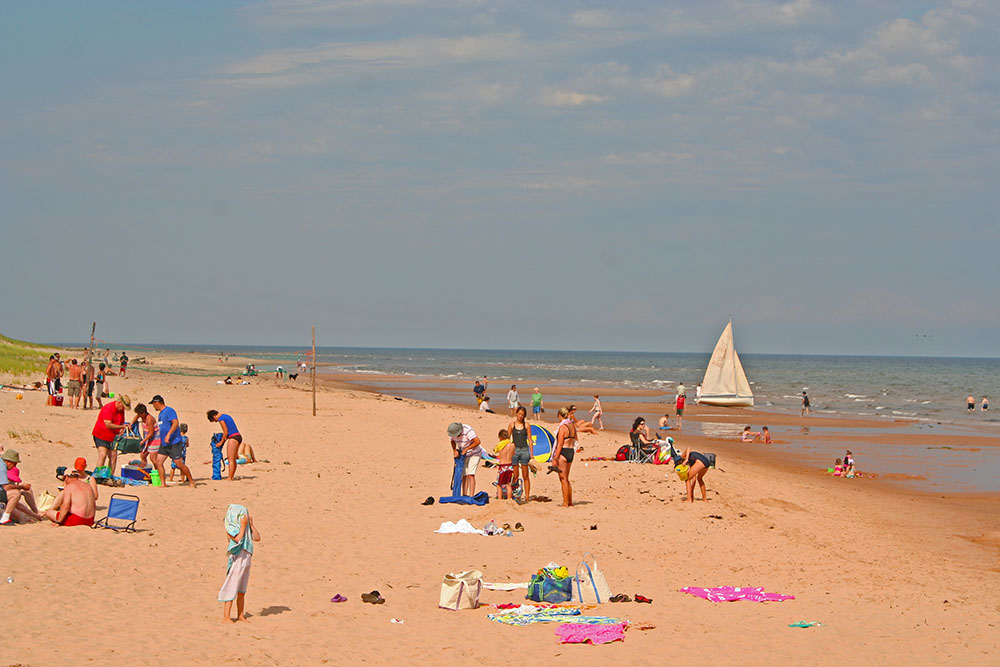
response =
{"points": [[552, 469], [621, 597], [518, 528], [643, 598], [338, 598], [373, 598], [429, 501]]}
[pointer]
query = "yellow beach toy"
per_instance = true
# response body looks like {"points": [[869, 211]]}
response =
{"points": [[682, 471]]}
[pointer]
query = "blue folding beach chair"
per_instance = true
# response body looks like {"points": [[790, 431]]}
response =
{"points": [[122, 507]]}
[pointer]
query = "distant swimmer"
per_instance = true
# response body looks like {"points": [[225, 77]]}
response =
{"points": [[805, 403], [970, 403], [986, 404]]}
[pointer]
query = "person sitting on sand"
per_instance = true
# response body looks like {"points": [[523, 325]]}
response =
{"points": [[663, 424], [765, 435], [581, 426], [505, 465], [228, 380], [238, 523], [18, 499], [698, 465], [80, 465], [749, 436], [485, 405], [838, 469], [75, 505], [640, 434]]}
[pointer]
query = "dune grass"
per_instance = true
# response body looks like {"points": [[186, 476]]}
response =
{"points": [[20, 359]]}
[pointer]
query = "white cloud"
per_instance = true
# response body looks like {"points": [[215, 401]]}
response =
{"points": [[566, 98], [593, 18]]}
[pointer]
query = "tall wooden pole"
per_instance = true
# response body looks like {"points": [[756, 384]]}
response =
{"points": [[93, 328], [314, 370]]}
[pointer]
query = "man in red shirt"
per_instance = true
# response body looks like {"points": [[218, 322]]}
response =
{"points": [[680, 409], [110, 422]]}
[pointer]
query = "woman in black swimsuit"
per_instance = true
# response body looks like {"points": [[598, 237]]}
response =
{"points": [[520, 433], [565, 450], [699, 464]]}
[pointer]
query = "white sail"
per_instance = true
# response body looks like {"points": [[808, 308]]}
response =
{"points": [[725, 381]]}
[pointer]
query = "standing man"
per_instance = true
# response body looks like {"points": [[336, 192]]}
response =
{"points": [[88, 376], [512, 399], [679, 406], [479, 391], [52, 374], [681, 390], [171, 444], [124, 363], [536, 404], [465, 442], [805, 403], [75, 384], [110, 422]]}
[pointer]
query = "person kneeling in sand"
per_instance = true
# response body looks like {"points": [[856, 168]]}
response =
{"points": [[75, 505]]}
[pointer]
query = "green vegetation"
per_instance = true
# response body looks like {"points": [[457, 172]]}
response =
{"points": [[19, 358], [25, 433]]}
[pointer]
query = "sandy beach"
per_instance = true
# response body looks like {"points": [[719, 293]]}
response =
{"points": [[894, 577]]}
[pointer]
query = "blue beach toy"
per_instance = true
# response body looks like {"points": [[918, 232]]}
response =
{"points": [[216, 456]]}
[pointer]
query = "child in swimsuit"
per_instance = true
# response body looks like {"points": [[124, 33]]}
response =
{"points": [[838, 469], [184, 451], [505, 467]]}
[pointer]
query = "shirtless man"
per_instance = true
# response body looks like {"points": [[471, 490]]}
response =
{"points": [[75, 384], [52, 374], [75, 505], [88, 379]]}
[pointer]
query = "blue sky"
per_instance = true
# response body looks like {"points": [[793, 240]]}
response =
{"points": [[504, 175]]}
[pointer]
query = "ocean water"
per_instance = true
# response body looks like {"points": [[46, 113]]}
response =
{"points": [[929, 388]]}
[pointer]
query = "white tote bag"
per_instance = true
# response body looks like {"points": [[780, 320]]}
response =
{"points": [[589, 585], [461, 591]]}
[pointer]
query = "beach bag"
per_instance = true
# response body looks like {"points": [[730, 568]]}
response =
{"points": [[128, 442], [623, 452], [589, 585], [663, 456], [461, 591], [545, 586]]}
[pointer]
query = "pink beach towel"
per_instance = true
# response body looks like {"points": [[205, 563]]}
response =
{"points": [[577, 633], [730, 594]]}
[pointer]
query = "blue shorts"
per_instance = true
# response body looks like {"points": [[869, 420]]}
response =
{"points": [[521, 457], [535, 409]]}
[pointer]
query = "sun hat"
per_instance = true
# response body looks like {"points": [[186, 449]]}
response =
{"points": [[80, 464], [454, 429], [126, 401], [11, 455]]}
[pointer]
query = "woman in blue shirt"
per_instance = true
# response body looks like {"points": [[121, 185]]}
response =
{"points": [[231, 438]]}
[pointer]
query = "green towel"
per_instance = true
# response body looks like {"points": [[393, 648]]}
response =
{"points": [[234, 516]]}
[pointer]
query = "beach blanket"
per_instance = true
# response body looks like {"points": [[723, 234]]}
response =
{"points": [[579, 633], [731, 594], [524, 617], [456, 496], [462, 526]]}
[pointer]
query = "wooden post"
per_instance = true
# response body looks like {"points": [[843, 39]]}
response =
{"points": [[93, 328], [314, 370]]}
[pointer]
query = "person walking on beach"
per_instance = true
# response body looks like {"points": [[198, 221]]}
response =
{"points": [[805, 403], [566, 450], [171, 444], [970, 403], [512, 399], [520, 434], [679, 407], [479, 391], [241, 533], [465, 442], [231, 438], [597, 412], [536, 404], [110, 422]]}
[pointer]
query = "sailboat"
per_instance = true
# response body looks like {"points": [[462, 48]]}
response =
{"points": [[725, 382]]}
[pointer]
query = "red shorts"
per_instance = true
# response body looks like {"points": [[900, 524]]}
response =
{"points": [[505, 475], [74, 520]]}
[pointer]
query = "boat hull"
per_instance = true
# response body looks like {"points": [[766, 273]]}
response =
{"points": [[728, 401]]}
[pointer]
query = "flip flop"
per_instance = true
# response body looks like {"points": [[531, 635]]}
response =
{"points": [[552, 469], [518, 528], [506, 527], [621, 597], [429, 501], [643, 598], [373, 598], [338, 598]]}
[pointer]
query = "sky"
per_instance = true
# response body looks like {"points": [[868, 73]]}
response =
{"points": [[571, 175]]}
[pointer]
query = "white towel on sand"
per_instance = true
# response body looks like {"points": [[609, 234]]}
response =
{"points": [[462, 526]]}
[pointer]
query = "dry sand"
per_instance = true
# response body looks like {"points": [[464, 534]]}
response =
{"points": [[894, 577]]}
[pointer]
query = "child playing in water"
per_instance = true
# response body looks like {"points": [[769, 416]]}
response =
{"points": [[505, 466], [765, 435], [241, 533]]}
